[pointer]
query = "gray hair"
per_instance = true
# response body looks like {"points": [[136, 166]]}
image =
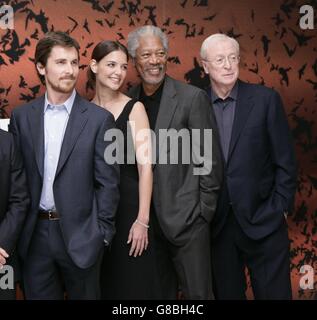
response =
{"points": [[134, 36], [214, 38]]}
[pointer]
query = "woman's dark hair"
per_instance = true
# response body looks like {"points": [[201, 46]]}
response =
{"points": [[101, 50], [48, 42]]}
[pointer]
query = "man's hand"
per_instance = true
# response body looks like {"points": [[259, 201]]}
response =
{"points": [[3, 257]]}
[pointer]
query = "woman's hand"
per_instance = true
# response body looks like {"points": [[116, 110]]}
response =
{"points": [[138, 235], [3, 257]]}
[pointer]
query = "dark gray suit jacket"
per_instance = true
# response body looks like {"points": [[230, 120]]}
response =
{"points": [[85, 187], [14, 199], [179, 196]]}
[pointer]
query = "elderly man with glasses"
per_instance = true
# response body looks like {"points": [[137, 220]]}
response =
{"points": [[249, 229]]}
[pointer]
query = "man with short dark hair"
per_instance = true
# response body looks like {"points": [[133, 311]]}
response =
{"points": [[74, 191], [14, 201]]}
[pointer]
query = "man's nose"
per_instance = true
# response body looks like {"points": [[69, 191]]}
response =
{"points": [[154, 59], [69, 68], [227, 63]]}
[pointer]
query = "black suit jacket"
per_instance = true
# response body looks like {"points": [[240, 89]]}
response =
{"points": [[14, 200], [179, 196], [85, 187], [260, 174]]}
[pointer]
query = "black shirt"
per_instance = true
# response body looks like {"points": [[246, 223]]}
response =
{"points": [[225, 111], [152, 104]]}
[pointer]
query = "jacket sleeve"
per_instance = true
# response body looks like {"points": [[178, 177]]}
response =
{"points": [[206, 152], [281, 199], [283, 154], [107, 179], [18, 202]]}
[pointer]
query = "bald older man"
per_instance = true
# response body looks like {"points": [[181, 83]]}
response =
{"points": [[249, 229]]}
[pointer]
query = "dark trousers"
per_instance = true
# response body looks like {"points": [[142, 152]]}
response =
{"points": [[7, 293], [267, 260], [10, 294], [185, 267], [49, 272]]}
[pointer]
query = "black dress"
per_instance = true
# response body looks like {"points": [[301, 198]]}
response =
{"points": [[124, 277]]}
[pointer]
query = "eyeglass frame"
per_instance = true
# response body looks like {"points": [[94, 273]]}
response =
{"points": [[224, 59]]}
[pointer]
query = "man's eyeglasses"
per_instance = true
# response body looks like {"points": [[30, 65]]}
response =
{"points": [[220, 61]]}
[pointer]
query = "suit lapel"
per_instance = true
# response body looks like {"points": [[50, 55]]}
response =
{"points": [[36, 124], [76, 123], [243, 109], [166, 112]]}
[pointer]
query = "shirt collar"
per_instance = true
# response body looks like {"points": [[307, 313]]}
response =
{"points": [[68, 104], [155, 95], [232, 95]]}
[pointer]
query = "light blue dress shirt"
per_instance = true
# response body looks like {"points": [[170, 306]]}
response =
{"points": [[55, 123]]}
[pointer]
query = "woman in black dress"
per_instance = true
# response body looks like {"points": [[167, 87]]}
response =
{"points": [[128, 269]]}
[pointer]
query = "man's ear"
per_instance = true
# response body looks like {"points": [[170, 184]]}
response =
{"points": [[40, 68], [93, 65], [204, 63]]}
